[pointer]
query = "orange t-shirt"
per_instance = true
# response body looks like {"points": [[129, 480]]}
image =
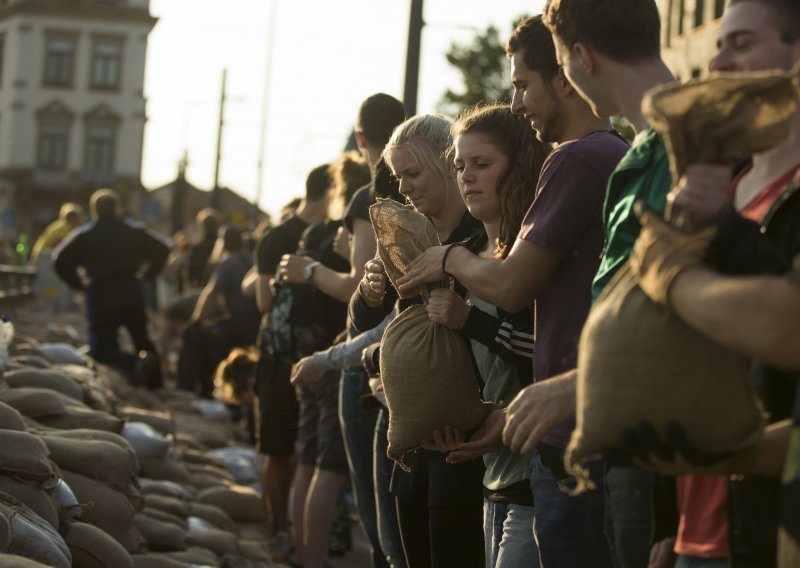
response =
{"points": [[703, 501]]}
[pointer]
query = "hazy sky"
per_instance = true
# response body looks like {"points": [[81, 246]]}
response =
{"points": [[327, 57]]}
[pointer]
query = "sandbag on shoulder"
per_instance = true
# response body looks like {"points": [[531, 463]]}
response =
{"points": [[93, 548], [638, 362]]}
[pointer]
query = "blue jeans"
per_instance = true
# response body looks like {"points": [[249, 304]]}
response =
{"points": [[569, 530], [629, 513], [508, 535], [696, 562], [388, 527], [358, 426]]}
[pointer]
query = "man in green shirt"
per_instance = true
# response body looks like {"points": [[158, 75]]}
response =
{"points": [[610, 52]]}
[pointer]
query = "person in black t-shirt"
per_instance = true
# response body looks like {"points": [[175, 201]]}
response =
{"points": [[276, 405], [197, 273]]}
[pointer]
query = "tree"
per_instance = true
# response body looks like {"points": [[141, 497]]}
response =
{"points": [[483, 67]]}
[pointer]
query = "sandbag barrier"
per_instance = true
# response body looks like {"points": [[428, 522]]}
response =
{"points": [[97, 473]]}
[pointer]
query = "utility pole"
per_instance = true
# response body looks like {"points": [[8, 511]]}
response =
{"points": [[412, 57], [265, 103], [216, 189]]}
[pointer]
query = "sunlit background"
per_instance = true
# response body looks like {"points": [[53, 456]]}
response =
{"points": [[326, 58]]}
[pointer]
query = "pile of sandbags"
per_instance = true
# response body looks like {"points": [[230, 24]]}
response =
{"points": [[97, 473]]}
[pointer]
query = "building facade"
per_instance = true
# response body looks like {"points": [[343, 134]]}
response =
{"points": [[689, 33], [72, 106]]}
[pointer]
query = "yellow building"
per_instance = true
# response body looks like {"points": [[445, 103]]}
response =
{"points": [[689, 33]]}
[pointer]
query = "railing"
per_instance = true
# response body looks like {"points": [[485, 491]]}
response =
{"points": [[16, 282]]}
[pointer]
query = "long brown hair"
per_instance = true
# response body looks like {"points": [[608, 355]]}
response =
{"points": [[514, 137]]}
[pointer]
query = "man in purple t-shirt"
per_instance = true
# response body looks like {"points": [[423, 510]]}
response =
{"points": [[553, 261]]}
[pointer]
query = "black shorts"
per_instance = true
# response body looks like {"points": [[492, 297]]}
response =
{"points": [[319, 438], [276, 406]]}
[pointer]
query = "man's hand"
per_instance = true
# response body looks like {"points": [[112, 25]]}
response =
{"points": [[426, 268], [488, 438], [291, 268], [662, 253], [662, 554], [373, 285], [537, 409], [447, 308], [304, 372], [445, 440], [704, 192]]}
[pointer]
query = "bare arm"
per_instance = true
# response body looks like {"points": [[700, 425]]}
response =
{"points": [[758, 316], [249, 281], [205, 303], [264, 292], [537, 409], [339, 285], [511, 283]]}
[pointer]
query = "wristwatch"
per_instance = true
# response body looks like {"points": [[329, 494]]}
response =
{"points": [[308, 271]]}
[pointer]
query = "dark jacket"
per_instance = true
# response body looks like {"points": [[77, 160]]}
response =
{"points": [[110, 249]]}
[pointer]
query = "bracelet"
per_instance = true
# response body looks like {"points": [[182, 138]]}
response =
{"points": [[446, 253]]}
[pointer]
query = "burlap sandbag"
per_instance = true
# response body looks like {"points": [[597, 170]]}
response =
{"points": [[103, 461], [77, 417], [34, 402], [164, 468], [35, 498], [171, 505], [160, 421], [156, 560], [202, 458], [165, 517], [164, 487], [31, 536], [10, 418], [214, 515], [160, 535], [5, 532], [724, 118], [202, 481], [243, 504], [196, 556], [219, 541], [255, 550], [133, 541], [14, 561], [25, 455], [93, 548], [638, 362], [103, 507], [90, 434], [426, 369], [220, 473], [46, 379]]}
